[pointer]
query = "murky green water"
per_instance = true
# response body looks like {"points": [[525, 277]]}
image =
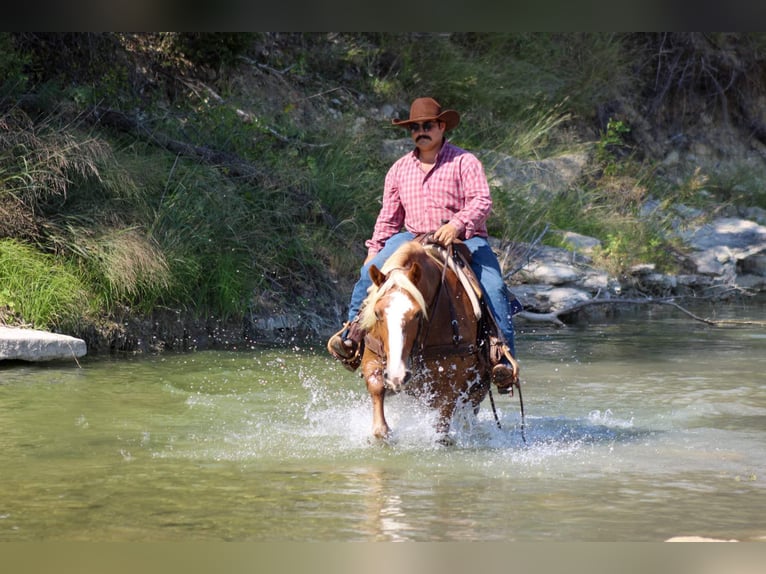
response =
{"points": [[648, 428]]}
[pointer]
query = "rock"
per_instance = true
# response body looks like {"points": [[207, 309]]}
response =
{"points": [[755, 265], [730, 250], [277, 322], [660, 282], [538, 177], [717, 260], [544, 298], [742, 237], [694, 281], [754, 213], [34, 345], [564, 297], [672, 158], [387, 111], [596, 280], [582, 243], [698, 539], [642, 269], [549, 273], [751, 282]]}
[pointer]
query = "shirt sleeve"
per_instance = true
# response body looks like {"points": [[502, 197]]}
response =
{"points": [[391, 215], [478, 201]]}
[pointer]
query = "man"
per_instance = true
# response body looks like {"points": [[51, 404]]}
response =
{"points": [[436, 188]]}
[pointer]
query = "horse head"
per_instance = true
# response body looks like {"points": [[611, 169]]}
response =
{"points": [[396, 309]]}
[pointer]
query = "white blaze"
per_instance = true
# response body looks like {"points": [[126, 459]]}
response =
{"points": [[399, 304]]}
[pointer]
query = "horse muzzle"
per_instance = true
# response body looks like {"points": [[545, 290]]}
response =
{"points": [[396, 383]]}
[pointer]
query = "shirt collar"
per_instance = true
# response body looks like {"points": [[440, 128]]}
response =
{"points": [[445, 144]]}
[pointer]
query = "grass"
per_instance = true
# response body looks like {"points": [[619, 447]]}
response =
{"points": [[46, 292]]}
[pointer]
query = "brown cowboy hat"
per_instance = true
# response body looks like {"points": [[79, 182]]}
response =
{"points": [[425, 109]]}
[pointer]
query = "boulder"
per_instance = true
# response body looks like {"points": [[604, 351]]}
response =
{"points": [[726, 239], [35, 345], [545, 299]]}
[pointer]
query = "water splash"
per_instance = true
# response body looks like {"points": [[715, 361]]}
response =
{"points": [[300, 415]]}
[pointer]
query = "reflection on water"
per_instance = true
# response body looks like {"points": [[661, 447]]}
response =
{"points": [[644, 429]]}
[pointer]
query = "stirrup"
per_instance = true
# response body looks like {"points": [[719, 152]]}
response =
{"points": [[350, 357], [504, 378], [505, 369]]}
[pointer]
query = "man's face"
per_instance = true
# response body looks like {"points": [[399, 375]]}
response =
{"points": [[427, 135]]}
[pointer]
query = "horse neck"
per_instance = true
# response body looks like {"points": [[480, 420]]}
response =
{"points": [[444, 305], [429, 282]]}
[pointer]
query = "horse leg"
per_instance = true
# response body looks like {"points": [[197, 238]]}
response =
{"points": [[380, 428], [373, 374], [446, 409], [478, 392]]}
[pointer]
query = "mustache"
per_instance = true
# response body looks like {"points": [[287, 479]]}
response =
{"points": [[423, 137]]}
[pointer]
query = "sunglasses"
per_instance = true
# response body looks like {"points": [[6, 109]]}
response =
{"points": [[426, 126]]}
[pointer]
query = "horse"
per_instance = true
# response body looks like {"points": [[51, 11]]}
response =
{"points": [[423, 324]]}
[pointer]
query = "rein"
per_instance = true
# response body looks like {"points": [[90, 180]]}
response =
{"points": [[456, 337]]}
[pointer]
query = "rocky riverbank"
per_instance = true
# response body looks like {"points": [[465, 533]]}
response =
{"points": [[724, 257]]}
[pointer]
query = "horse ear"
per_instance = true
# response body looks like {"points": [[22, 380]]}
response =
{"points": [[377, 277], [414, 274]]}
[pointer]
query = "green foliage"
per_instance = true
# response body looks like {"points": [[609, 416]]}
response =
{"points": [[740, 184], [143, 227], [205, 231], [110, 87], [210, 49], [613, 212], [38, 162], [70, 57], [45, 291], [612, 139], [13, 80]]}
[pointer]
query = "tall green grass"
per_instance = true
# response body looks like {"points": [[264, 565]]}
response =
{"points": [[46, 292]]}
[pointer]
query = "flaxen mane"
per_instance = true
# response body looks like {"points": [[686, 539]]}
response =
{"points": [[395, 268]]}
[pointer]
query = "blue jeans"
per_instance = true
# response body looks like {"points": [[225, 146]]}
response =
{"points": [[484, 264]]}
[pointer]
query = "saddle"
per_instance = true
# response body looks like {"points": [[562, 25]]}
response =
{"points": [[460, 264]]}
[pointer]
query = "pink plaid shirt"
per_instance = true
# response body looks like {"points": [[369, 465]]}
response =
{"points": [[455, 190]]}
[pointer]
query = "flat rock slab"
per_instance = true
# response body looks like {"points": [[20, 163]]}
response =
{"points": [[33, 345]]}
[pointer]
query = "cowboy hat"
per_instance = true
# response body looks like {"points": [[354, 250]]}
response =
{"points": [[425, 109]]}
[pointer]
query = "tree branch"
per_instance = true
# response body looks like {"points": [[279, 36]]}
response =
{"points": [[555, 316]]}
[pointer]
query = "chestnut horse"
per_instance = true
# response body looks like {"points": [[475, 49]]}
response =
{"points": [[423, 336]]}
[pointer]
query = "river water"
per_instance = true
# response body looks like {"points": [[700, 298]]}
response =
{"points": [[645, 427]]}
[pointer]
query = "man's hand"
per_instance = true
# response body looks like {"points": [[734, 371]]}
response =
{"points": [[446, 234]]}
